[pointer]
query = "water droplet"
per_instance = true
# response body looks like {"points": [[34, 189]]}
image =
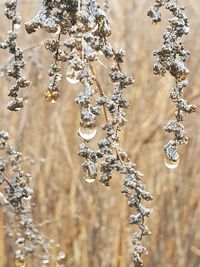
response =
{"points": [[72, 76], [171, 164], [72, 81], [90, 171], [178, 69], [89, 179], [52, 96], [17, 26], [87, 133]]}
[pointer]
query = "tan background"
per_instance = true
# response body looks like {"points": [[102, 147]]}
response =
{"points": [[90, 221]]}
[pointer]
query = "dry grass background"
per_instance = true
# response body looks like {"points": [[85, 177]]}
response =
{"points": [[90, 221]]}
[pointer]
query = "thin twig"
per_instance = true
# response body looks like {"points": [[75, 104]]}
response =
{"points": [[100, 92]]}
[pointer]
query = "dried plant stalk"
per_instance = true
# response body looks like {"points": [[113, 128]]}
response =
{"points": [[17, 195], [83, 37], [18, 63], [171, 58]]}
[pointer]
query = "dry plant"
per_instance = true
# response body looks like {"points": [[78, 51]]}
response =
{"points": [[17, 63], [84, 219], [172, 57], [18, 196], [83, 28]]}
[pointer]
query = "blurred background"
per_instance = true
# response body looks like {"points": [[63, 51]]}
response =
{"points": [[89, 221]]}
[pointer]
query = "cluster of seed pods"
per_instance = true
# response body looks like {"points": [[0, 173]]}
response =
{"points": [[17, 63], [16, 193], [81, 40], [171, 58], [83, 31]]}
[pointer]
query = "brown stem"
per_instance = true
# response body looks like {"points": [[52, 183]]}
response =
{"points": [[104, 106], [100, 92]]}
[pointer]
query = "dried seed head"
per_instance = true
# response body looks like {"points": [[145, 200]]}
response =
{"points": [[17, 197], [18, 63], [82, 38], [172, 57]]}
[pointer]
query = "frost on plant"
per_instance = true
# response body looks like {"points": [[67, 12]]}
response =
{"points": [[82, 29], [17, 63], [16, 193], [171, 58]]}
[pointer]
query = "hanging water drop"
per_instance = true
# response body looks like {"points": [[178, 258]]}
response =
{"points": [[90, 171], [87, 132], [19, 108], [72, 81], [89, 180], [72, 76], [171, 164], [52, 96]]}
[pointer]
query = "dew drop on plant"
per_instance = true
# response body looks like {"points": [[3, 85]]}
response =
{"points": [[52, 96], [72, 81], [89, 179], [17, 109], [87, 133], [171, 164], [72, 76], [17, 26]]}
